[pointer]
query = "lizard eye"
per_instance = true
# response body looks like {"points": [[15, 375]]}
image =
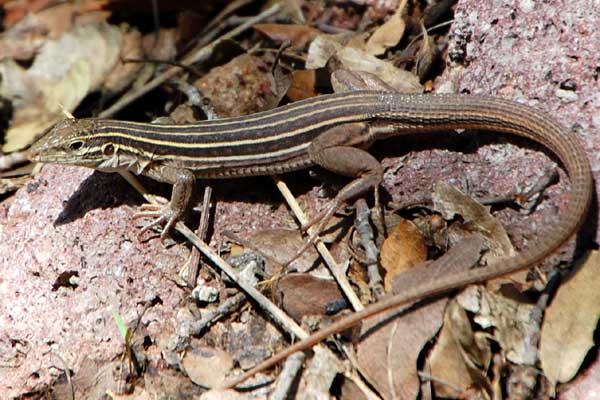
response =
{"points": [[108, 149], [76, 145]]}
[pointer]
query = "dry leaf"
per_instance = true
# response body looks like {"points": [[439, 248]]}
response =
{"points": [[40, 92], [298, 35], [282, 245], [303, 85], [207, 366], [403, 249], [516, 324], [570, 321], [425, 55], [460, 257], [124, 73], [460, 357], [389, 34], [343, 81], [92, 380], [391, 345], [321, 49], [319, 375], [449, 201], [401, 80], [303, 294]]}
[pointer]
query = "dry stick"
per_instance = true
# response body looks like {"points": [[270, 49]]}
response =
{"points": [[276, 313], [224, 13], [365, 389], [287, 377], [334, 268], [189, 271], [8, 161], [457, 279], [193, 57], [367, 240], [228, 306]]}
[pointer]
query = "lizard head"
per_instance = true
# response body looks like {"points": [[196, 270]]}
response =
{"points": [[71, 141]]}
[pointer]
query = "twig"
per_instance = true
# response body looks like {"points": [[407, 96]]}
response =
{"points": [[334, 268], [196, 98], [365, 233], [455, 257], [189, 271], [7, 161], [229, 306], [193, 57], [287, 377], [155, 61], [275, 312], [224, 13]]}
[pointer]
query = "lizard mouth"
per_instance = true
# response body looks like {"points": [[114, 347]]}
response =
{"points": [[35, 153]]}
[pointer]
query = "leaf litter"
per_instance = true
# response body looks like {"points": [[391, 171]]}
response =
{"points": [[454, 346]]}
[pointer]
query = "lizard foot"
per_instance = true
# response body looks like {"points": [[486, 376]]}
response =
{"points": [[163, 214]]}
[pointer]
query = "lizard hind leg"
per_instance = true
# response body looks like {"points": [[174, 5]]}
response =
{"points": [[336, 153], [349, 161]]}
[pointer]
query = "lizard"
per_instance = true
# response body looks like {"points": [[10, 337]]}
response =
{"points": [[333, 131]]}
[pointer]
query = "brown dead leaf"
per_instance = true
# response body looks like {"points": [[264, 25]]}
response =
{"points": [[298, 35], [23, 39], [325, 49], [343, 81], [123, 73], [571, 320], [516, 324], [449, 201], [389, 34], [303, 85], [303, 294], [425, 56], [319, 375], [207, 366], [40, 92], [391, 344], [460, 257], [93, 378], [401, 80], [403, 249], [460, 357], [320, 51], [281, 245]]}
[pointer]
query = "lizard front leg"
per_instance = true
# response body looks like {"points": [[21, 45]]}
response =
{"points": [[169, 213]]}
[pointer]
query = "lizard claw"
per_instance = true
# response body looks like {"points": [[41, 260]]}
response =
{"points": [[162, 214]]}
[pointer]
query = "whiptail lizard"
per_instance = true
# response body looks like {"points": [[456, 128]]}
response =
{"points": [[331, 131]]}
